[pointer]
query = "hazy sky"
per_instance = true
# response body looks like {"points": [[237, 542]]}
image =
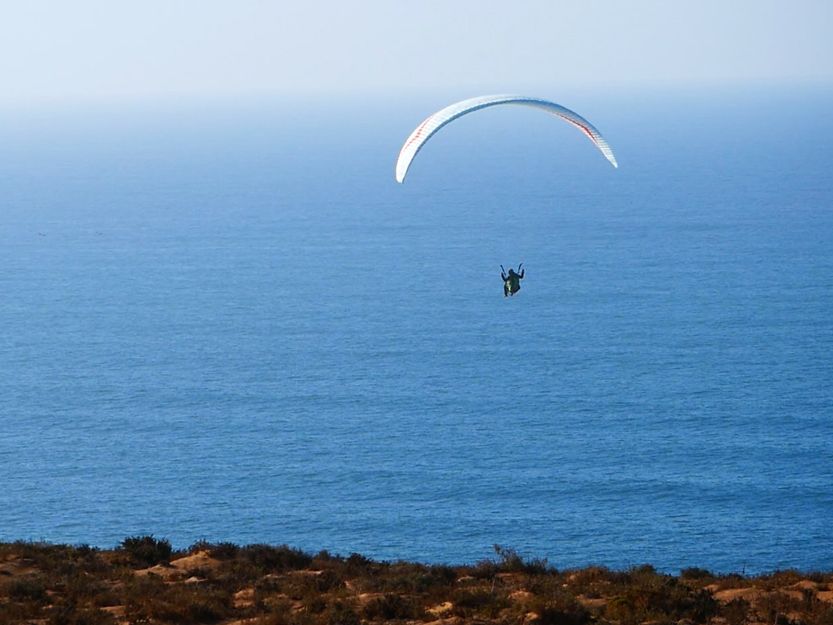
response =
{"points": [[60, 49]]}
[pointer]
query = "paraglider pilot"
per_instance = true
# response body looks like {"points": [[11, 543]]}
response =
{"points": [[511, 280]]}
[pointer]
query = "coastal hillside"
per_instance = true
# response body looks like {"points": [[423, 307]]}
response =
{"points": [[143, 580]]}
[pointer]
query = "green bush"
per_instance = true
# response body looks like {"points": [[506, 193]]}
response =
{"points": [[146, 551], [270, 560], [695, 573], [511, 562]]}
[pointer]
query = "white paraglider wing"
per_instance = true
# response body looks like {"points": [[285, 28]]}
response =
{"points": [[430, 126]]}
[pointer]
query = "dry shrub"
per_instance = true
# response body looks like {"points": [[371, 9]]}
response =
{"points": [[25, 590], [669, 602], [72, 614], [736, 611], [392, 607], [479, 602], [558, 608]]}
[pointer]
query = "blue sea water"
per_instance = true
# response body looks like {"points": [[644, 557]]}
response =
{"points": [[228, 322]]}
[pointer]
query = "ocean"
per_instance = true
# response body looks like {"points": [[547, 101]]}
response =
{"points": [[226, 321]]}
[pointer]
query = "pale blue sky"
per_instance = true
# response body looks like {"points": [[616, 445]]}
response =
{"points": [[81, 49]]}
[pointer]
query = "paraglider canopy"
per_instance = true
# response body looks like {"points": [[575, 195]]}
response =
{"points": [[430, 126]]}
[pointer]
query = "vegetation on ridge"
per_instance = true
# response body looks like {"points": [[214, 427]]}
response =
{"points": [[144, 580]]}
